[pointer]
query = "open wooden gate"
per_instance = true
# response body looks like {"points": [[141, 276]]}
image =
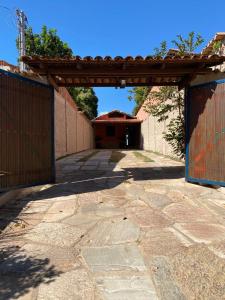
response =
{"points": [[26, 132], [205, 133]]}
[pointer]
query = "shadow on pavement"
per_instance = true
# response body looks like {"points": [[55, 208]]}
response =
{"points": [[19, 272], [92, 181], [154, 173], [82, 181]]}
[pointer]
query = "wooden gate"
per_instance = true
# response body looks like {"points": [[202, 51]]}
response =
{"points": [[26, 132], [205, 133]]}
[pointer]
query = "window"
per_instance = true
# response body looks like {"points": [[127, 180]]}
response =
{"points": [[110, 130]]}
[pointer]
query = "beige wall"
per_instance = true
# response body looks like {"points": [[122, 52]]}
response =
{"points": [[152, 131], [73, 130], [152, 136]]}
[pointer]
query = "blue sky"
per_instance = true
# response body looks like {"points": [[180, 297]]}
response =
{"points": [[101, 27]]}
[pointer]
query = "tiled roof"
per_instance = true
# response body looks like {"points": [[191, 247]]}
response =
{"points": [[10, 67], [209, 48], [113, 112], [117, 121], [175, 57], [123, 71]]}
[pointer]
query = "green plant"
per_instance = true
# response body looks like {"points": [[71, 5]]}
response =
{"points": [[189, 44], [161, 51], [138, 95], [116, 156], [86, 100], [167, 104], [48, 43], [216, 47], [142, 157]]}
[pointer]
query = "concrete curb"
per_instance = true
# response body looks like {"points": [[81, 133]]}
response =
{"points": [[13, 195]]}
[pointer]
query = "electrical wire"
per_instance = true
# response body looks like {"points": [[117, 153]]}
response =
{"points": [[12, 16]]}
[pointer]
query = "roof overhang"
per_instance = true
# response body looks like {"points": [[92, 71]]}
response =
{"points": [[131, 121], [120, 72], [219, 37]]}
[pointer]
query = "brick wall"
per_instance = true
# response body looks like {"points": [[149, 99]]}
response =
{"points": [[73, 130]]}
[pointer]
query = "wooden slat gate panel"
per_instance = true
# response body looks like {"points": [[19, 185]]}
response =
{"points": [[26, 132], [205, 133]]}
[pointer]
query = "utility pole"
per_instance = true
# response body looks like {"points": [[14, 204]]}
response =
{"points": [[22, 25]]}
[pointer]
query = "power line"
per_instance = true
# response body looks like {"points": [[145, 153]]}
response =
{"points": [[12, 15], [5, 7]]}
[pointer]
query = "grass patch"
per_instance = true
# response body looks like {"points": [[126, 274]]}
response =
{"points": [[167, 156], [116, 156], [87, 157], [142, 157]]}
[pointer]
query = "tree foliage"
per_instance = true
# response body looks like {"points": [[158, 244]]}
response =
{"points": [[48, 43], [161, 51], [189, 44], [217, 48], [139, 95], [86, 100], [168, 104]]}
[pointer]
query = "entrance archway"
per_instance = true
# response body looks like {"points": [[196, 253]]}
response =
{"points": [[173, 70]]}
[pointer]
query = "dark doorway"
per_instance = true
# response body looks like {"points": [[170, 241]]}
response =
{"points": [[117, 130], [118, 136]]}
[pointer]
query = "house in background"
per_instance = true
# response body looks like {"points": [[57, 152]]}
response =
{"points": [[117, 130], [8, 67]]}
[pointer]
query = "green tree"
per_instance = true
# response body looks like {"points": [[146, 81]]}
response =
{"points": [[189, 44], [48, 43], [217, 48], [168, 101], [138, 95], [168, 105], [161, 51], [86, 100]]}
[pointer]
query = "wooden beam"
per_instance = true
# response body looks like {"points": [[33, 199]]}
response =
{"points": [[185, 81], [163, 66], [120, 72], [117, 84], [52, 81]]}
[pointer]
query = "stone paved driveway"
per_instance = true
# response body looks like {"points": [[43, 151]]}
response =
{"points": [[115, 231]]}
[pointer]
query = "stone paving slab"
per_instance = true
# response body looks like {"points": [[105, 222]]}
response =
{"points": [[183, 211], [131, 230], [163, 277], [112, 232], [157, 242], [56, 234], [126, 287], [71, 285], [146, 217], [202, 233], [82, 221], [156, 200], [199, 272], [60, 210], [114, 258]]}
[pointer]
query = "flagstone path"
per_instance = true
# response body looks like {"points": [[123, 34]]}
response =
{"points": [[114, 231]]}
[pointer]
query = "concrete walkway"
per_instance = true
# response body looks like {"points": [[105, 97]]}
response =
{"points": [[116, 231]]}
